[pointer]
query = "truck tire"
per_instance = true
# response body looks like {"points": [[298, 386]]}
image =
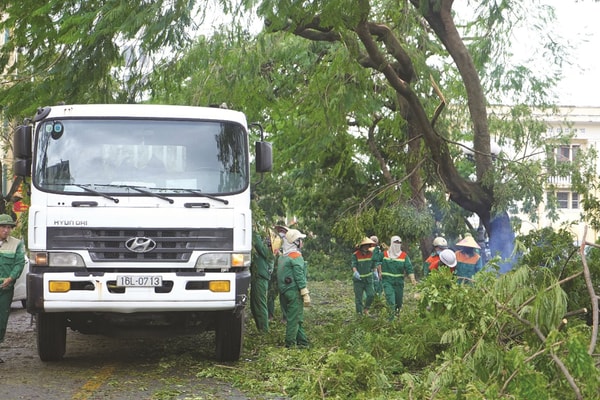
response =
{"points": [[229, 335], [51, 336]]}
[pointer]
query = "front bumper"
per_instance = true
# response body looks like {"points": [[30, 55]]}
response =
{"points": [[97, 292]]}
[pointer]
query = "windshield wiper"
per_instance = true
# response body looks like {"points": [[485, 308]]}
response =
{"points": [[139, 189], [208, 196], [150, 193], [90, 190]]}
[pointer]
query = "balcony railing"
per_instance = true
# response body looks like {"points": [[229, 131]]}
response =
{"points": [[560, 181]]}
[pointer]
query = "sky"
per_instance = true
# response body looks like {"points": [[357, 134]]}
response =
{"points": [[578, 21]]}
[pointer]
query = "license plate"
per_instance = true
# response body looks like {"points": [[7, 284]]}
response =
{"points": [[139, 280]]}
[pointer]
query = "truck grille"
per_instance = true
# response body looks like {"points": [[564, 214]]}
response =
{"points": [[174, 245]]}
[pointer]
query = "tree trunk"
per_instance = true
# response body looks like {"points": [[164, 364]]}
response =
{"points": [[477, 197]]}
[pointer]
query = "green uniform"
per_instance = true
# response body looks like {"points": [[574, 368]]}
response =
{"points": [[272, 291], [12, 261], [364, 264], [392, 276], [468, 263], [291, 278], [377, 257], [260, 272]]}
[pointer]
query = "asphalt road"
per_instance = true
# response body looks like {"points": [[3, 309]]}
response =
{"points": [[107, 368]]}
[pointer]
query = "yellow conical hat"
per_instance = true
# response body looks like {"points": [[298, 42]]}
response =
{"points": [[468, 242], [366, 240]]}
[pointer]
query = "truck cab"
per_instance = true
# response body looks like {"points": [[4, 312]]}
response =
{"points": [[139, 221]]}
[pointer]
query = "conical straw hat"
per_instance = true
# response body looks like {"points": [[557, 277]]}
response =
{"points": [[468, 242], [366, 240]]}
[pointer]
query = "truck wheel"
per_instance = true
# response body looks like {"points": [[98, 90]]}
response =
{"points": [[51, 336], [229, 335]]}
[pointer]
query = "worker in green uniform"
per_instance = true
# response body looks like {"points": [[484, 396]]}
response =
{"points": [[394, 264], [12, 261], [362, 264], [377, 255], [468, 260], [291, 280], [278, 242], [260, 273], [432, 262]]}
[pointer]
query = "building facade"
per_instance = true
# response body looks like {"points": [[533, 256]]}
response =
{"points": [[584, 124]]}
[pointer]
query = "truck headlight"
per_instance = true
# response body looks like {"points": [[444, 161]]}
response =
{"points": [[223, 261], [45, 259]]}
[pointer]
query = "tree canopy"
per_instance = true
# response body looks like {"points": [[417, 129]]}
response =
{"points": [[379, 111]]}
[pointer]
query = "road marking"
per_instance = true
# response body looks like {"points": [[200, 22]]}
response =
{"points": [[90, 387]]}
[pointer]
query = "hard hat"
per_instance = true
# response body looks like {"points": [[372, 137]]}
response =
{"points": [[294, 234], [468, 242], [440, 242], [448, 258], [375, 239]]}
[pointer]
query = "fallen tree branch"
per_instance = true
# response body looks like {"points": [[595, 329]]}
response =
{"points": [[593, 296], [563, 368], [576, 312]]}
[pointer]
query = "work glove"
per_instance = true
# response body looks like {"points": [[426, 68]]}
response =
{"points": [[412, 279], [356, 275], [305, 297]]}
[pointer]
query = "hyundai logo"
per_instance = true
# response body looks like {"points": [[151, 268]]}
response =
{"points": [[140, 244]]}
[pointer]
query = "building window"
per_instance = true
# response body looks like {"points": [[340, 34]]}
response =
{"points": [[567, 153], [562, 199], [574, 200], [566, 200]]}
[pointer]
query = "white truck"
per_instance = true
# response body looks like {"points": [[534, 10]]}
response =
{"points": [[139, 221]]}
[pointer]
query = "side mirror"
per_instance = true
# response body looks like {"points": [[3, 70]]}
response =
{"points": [[22, 167], [264, 156], [22, 142]]}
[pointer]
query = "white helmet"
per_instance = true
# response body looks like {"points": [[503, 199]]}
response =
{"points": [[440, 242], [448, 258], [293, 234]]}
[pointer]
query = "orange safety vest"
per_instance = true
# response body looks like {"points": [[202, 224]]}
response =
{"points": [[433, 261]]}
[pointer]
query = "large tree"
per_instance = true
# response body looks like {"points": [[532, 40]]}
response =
{"points": [[417, 50], [361, 103]]}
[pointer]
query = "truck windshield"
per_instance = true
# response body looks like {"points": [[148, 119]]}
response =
{"points": [[110, 156]]}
